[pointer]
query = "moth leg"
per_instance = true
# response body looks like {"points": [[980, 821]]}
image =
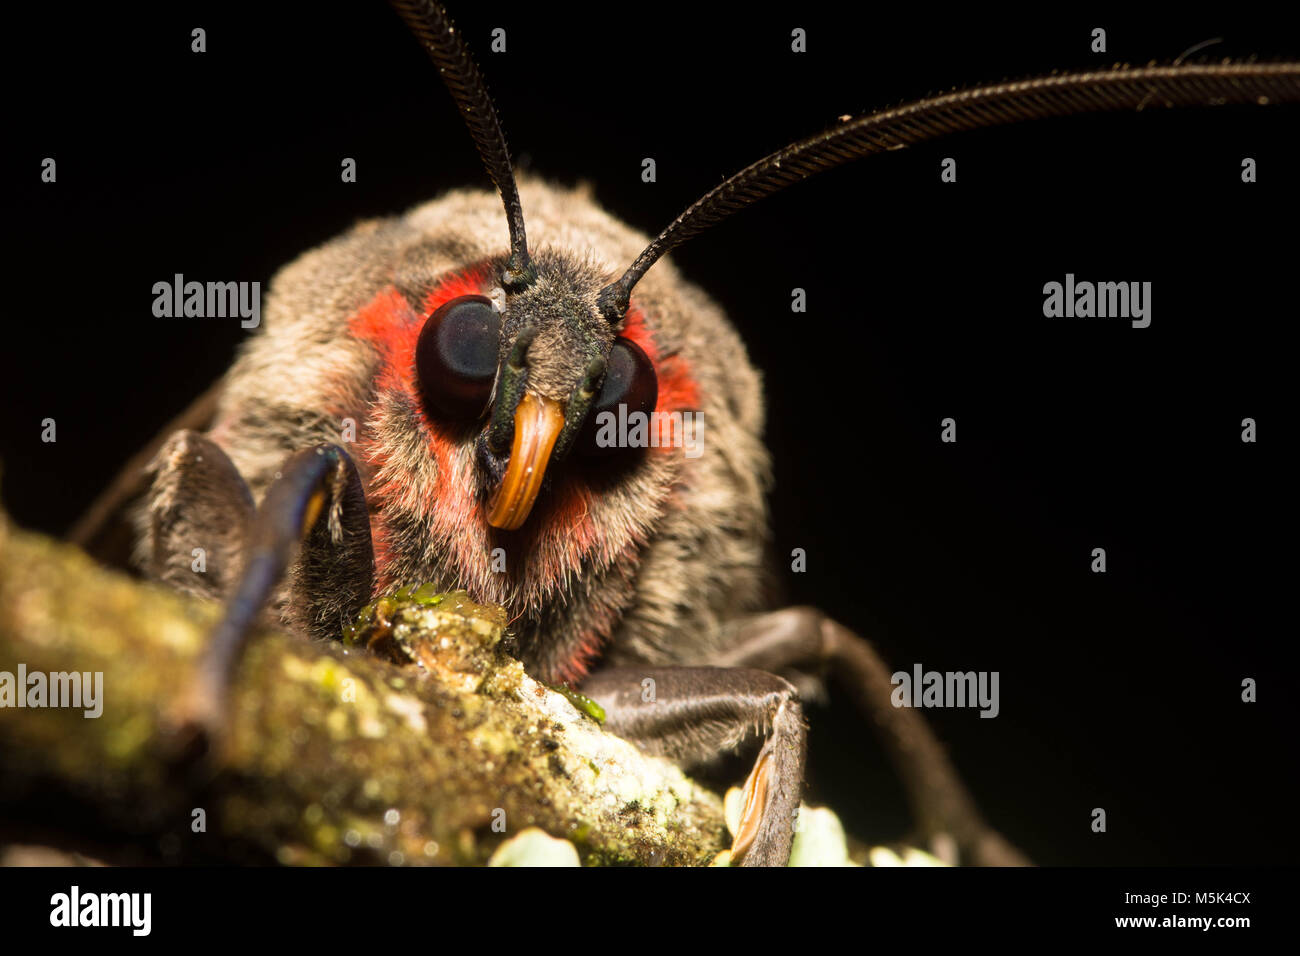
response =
{"points": [[197, 513], [315, 511], [798, 637], [691, 715], [105, 528]]}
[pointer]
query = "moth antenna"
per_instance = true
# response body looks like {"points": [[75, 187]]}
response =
{"points": [[1195, 84], [431, 25]]}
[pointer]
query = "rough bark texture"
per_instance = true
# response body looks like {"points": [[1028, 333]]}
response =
{"points": [[334, 755]]}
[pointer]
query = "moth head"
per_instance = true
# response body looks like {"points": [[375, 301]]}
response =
{"points": [[530, 367]]}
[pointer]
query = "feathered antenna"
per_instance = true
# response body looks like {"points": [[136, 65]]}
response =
{"points": [[1003, 103], [430, 23]]}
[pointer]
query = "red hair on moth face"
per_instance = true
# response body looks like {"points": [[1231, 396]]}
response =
{"points": [[393, 328], [389, 324]]}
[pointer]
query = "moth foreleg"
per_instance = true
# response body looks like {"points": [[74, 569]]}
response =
{"points": [[196, 516], [803, 637], [314, 512], [691, 715]]}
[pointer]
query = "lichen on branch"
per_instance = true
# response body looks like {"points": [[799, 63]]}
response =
{"points": [[334, 754]]}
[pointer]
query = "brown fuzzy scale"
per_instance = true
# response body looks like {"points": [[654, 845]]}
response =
{"points": [[671, 548]]}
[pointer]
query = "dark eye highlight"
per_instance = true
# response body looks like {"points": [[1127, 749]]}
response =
{"points": [[630, 380], [456, 356]]}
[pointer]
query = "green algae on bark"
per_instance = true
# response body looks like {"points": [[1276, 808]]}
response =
{"points": [[334, 755]]}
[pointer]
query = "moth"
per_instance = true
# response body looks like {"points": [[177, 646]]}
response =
{"points": [[525, 378]]}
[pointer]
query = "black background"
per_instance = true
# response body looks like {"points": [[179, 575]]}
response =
{"points": [[1119, 690]]}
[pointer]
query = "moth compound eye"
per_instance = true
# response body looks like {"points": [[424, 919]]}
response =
{"points": [[456, 356], [630, 381]]}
